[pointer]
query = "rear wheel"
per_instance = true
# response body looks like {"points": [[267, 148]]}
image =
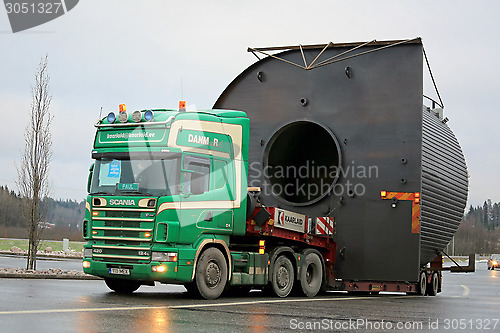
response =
{"points": [[311, 275], [432, 288], [422, 284], [122, 286], [211, 273], [283, 277]]}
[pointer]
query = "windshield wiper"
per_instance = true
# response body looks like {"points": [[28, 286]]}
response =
{"points": [[137, 193], [101, 193]]}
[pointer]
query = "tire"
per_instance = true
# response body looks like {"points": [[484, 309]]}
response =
{"points": [[283, 276], [122, 286], [311, 275], [324, 287], [211, 273], [433, 287], [422, 284]]}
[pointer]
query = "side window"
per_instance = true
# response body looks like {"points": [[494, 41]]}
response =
{"points": [[220, 174], [196, 174]]}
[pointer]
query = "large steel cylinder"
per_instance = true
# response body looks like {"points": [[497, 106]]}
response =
{"points": [[327, 140]]}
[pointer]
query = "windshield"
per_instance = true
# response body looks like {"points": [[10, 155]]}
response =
{"points": [[155, 177]]}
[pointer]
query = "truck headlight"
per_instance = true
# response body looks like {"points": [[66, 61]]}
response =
{"points": [[159, 269], [164, 256], [87, 253]]}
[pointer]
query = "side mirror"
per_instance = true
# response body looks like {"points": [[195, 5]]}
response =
{"points": [[89, 179]]}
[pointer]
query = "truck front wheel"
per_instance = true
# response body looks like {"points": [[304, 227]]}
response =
{"points": [[311, 275], [283, 276], [211, 273], [122, 286]]}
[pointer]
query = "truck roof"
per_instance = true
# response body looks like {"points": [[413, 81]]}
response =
{"points": [[167, 115], [217, 112]]}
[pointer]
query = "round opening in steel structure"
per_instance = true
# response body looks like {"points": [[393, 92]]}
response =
{"points": [[302, 163]]}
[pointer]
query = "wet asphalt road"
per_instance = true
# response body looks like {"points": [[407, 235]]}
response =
{"points": [[469, 303]]}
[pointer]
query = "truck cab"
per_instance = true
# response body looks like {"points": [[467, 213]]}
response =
{"points": [[165, 186]]}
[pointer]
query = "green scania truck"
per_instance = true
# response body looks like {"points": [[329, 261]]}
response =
{"points": [[169, 202], [319, 167]]}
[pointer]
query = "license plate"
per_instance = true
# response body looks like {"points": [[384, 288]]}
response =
{"points": [[119, 271]]}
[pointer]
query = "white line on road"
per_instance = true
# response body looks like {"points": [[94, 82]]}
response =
{"points": [[465, 293], [262, 302], [82, 310], [186, 306], [466, 290]]}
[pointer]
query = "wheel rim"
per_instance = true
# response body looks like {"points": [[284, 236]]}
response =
{"points": [[213, 274], [423, 283], [282, 277], [309, 274]]}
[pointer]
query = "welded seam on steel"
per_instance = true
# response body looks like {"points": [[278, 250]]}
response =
{"points": [[332, 59]]}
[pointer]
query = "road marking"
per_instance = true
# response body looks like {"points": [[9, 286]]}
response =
{"points": [[465, 293], [186, 306], [466, 290], [82, 310]]}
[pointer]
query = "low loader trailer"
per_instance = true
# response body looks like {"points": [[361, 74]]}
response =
{"points": [[318, 168]]}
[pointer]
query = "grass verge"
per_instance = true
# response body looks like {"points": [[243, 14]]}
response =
{"points": [[6, 244]]}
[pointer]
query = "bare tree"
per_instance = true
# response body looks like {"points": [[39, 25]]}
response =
{"points": [[32, 180]]}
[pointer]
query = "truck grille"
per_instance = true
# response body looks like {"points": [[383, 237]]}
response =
{"points": [[120, 213], [122, 234]]}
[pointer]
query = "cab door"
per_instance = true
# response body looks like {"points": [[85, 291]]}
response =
{"points": [[202, 205]]}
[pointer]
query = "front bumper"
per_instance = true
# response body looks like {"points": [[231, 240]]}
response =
{"points": [[174, 273]]}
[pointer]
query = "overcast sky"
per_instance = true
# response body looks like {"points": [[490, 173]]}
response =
{"points": [[150, 54]]}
